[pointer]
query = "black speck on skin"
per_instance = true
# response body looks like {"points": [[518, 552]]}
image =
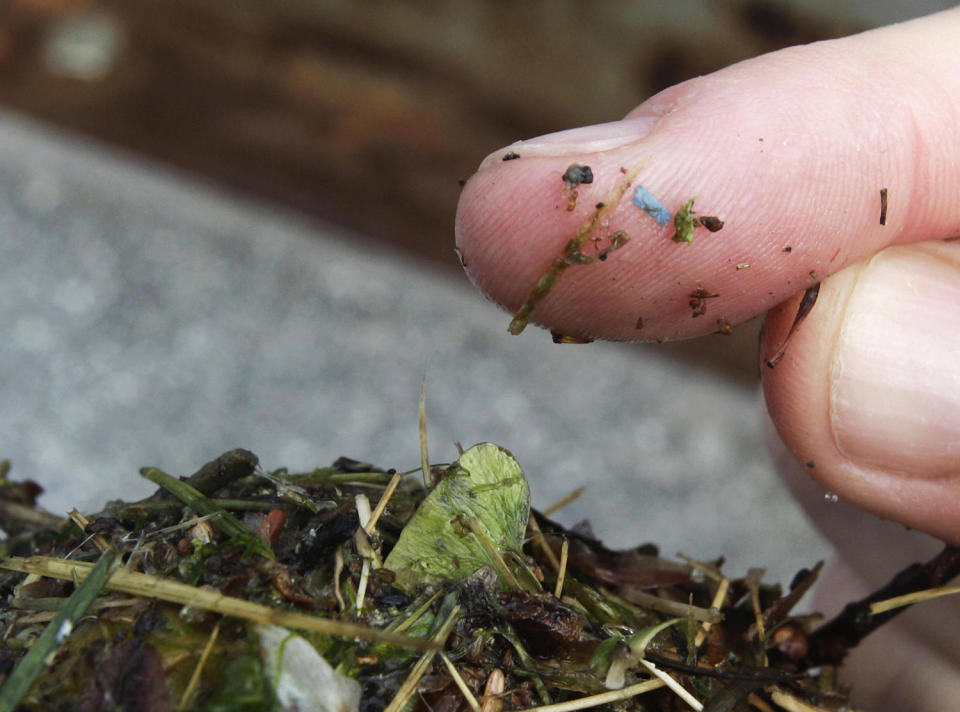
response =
{"points": [[577, 175], [511, 156], [788, 249], [810, 464]]}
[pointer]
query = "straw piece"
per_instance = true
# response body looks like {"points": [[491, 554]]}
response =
{"points": [[148, 586]]}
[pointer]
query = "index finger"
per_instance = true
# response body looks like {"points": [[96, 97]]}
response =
{"points": [[793, 151]]}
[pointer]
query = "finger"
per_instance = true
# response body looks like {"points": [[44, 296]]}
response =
{"points": [[790, 149], [868, 391]]}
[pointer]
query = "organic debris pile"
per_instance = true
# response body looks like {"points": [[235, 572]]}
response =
{"points": [[238, 589]]}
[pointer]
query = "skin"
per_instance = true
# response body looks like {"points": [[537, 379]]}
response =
{"points": [[790, 149]]}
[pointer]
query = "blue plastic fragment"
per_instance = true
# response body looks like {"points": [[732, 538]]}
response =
{"points": [[642, 198]]}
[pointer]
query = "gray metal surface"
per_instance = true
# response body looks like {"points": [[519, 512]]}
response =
{"points": [[150, 320]]}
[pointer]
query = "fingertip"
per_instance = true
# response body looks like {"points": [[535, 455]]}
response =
{"points": [[790, 150]]}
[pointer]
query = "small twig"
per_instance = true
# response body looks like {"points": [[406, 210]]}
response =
{"points": [[562, 572], [664, 605], [382, 503], [398, 626], [198, 670], [675, 686], [337, 571], [422, 416], [493, 555], [830, 643], [602, 698], [461, 683], [409, 685], [711, 572], [908, 599], [568, 498], [148, 586], [754, 576], [364, 548], [542, 542], [747, 674], [82, 522], [716, 604]]}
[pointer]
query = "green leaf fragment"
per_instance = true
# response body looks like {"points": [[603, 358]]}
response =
{"points": [[685, 223], [483, 501]]}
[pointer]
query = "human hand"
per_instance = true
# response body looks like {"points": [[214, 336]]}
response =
{"points": [[791, 150]]}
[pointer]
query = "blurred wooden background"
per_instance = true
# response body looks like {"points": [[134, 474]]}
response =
{"points": [[360, 112]]}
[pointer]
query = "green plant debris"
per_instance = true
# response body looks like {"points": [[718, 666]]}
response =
{"points": [[572, 252], [475, 515], [686, 221], [55, 634], [222, 519], [214, 625]]}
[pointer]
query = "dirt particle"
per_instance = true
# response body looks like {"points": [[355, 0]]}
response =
{"points": [[743, 265], [577, 175], [813, 274], [883, 206], [810, 464], [713, 224], [788, 249], [639, 325], [724, 326], [698, 301], [511, 156], [559, 338]]}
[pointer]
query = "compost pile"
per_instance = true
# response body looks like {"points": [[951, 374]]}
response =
{"points": [[239, 589]]}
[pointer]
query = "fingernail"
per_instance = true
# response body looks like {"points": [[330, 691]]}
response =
{"points": [[895, 374], [587, 139]]}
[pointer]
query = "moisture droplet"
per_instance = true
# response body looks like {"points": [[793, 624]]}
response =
{"points": [[831, 497]]}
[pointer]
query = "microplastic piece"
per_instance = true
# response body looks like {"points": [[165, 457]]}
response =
{"points": [[644, 199]]}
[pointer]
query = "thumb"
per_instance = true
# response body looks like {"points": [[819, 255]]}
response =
{"points": [[790, 149], [868, 392]]}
